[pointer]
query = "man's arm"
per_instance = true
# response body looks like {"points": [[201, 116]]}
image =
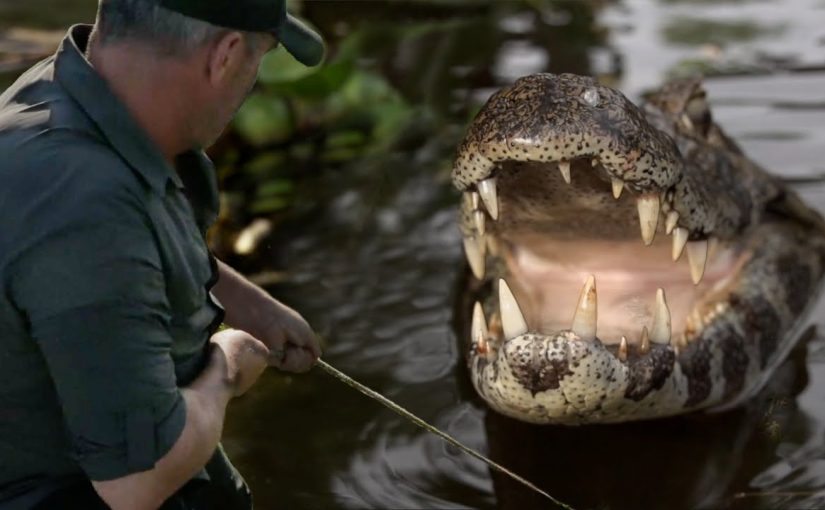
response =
{"points": [[93, 290], [294, 345], [236, 362]]}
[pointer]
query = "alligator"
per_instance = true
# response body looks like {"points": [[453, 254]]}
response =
{"points": [[559, 176]]}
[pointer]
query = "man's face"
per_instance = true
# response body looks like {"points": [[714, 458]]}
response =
{"points": [[237, 87]]}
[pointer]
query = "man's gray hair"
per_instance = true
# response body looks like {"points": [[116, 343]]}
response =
{"points": [[145, 21]]}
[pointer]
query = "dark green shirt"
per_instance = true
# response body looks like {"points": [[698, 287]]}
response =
{"points": [[105, 308]]}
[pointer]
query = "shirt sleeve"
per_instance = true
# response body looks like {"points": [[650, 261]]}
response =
{"points": [[93, 291]]}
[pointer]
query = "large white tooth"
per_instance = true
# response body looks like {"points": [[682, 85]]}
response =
{"points": [[672, 220], [480, 220], [479, 329], [618, 187], [473, 199], [476, 250], [512, 320], [623, 349], [644, 342], [489, 195], [680, 238], [660, 333], [564, 168], [648, 206], [594, 161], [697, 252], [586, 316]]}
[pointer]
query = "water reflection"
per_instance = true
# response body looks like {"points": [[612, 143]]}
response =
{"points": [[690, 31], [637, 27]]}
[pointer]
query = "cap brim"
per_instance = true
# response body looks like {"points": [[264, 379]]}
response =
{"points": [[301, 42]]}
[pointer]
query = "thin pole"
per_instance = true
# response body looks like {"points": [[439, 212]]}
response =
{"points": [[349, 381]]}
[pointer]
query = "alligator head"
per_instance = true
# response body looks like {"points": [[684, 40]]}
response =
{"points": [[628, 262]]}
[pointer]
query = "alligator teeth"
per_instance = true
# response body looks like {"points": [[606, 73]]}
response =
{"points": [[618, 187], [623, 349], [473, 199], [512, 320], [476, 249], [489, 195], [480, 220], [594, 161], [479, 329], [564, 168], [697, 252], [680, 237], [644, 343], [585, 318], [648, 206], [467, 201], [672, 220], [660, 333]]}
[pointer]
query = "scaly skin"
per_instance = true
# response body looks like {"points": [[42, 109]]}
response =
{"points": [[742, 321]]}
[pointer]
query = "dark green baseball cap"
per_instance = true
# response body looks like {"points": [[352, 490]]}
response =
{"points": [[299, 40]]}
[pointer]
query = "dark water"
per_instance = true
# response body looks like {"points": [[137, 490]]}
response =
{"points": [[373, 260]]}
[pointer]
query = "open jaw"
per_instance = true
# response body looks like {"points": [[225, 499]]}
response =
{"points": [[611, 298]]}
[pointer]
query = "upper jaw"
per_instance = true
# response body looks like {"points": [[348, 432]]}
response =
{"points": [[492, 212], [552, 120], [547, 118]]}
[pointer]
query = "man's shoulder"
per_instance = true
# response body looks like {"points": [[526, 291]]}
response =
{"points": [[43, 130], [36, 102], [80, 164], [64, 183], [45, 136], [60, 180]]}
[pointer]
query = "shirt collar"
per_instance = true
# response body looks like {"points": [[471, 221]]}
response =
{"points": [[92, 93]]}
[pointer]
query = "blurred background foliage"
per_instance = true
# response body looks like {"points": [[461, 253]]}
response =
{"points": [[398, 73]]}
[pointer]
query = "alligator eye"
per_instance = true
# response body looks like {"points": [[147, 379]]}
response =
{"points": [[591, 97]]}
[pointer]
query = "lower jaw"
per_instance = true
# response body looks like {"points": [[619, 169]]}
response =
{"points": [[742, 326]]}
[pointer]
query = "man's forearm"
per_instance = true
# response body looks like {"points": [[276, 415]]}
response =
{"points": [[292, 343], [240, 299], [206, 400]]}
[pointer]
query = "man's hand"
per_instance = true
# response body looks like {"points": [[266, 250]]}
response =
{"points": [[293, 345], [240, 359]]}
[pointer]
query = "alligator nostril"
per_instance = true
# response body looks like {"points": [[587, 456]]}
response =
{"points": [[591, 97]]}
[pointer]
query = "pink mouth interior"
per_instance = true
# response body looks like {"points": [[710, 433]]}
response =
{"points": [[547, 275]]}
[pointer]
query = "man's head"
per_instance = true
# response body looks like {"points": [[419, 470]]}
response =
{"points": [[211, 67]]}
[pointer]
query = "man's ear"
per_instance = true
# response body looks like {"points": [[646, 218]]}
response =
{"points": [[225, 57]]}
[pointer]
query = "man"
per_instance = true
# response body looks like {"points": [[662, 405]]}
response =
{"points": [[113, 380]]}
